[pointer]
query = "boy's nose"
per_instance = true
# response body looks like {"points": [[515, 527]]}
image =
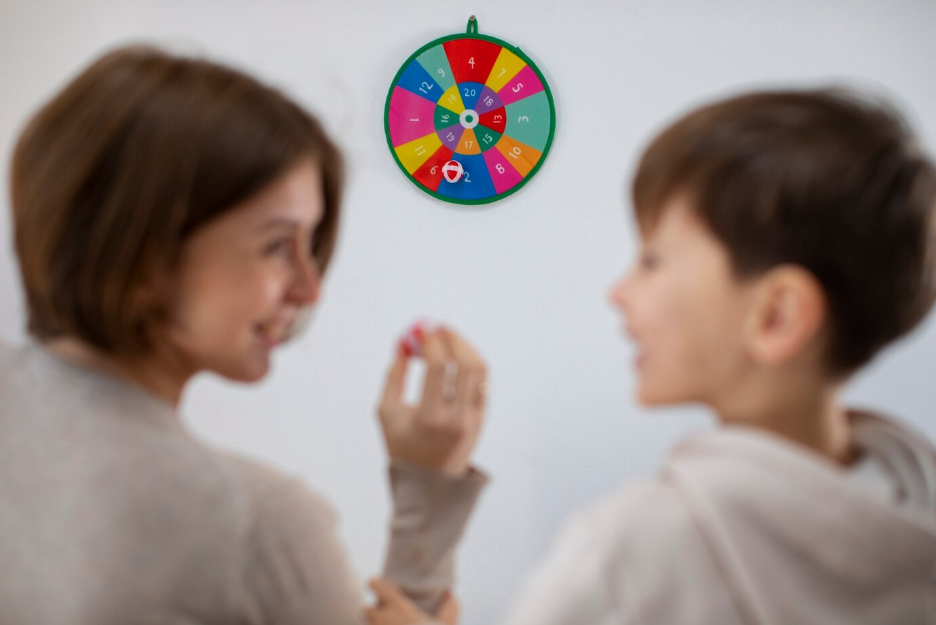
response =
{"points": [[617, 295]]}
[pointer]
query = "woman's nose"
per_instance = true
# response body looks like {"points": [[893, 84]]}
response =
{"points": [[307, 283]]}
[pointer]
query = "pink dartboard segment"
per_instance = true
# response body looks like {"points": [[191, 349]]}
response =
{"points": [[504, 177], [411, 117], [524, 84]]}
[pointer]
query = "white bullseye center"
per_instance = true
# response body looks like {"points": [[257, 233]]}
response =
{"points": [[468, 118]]}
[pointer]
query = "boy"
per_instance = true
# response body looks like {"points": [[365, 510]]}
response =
{"points": [[787, 238]]}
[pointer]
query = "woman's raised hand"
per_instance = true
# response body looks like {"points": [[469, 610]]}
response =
{"points": [[439, 431]]}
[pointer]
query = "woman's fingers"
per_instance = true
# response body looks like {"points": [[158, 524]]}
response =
{"points": [[386, 591], [448, 610], [393, 607], [439, 362], [393, 386], [471, 375]]}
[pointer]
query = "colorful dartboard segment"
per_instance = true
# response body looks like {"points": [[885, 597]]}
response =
{"points": [[475, 101]]}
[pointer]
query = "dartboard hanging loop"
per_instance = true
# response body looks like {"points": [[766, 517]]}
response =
{"points": [[469, 118]]}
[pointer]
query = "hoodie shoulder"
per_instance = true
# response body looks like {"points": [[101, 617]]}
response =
{"points": [[654, 548]]}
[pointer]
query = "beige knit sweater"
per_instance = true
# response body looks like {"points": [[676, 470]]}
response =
{"points": [[112, 513]]}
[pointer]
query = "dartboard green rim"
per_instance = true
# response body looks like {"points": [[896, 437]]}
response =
{"points": [[549, 140]]}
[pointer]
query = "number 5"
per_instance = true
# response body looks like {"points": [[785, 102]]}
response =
{"points": [[518, 87]]}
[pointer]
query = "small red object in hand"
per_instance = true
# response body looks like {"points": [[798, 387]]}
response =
{"points": [[411, 341]]}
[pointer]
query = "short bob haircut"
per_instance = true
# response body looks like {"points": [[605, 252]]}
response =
{"points": [[828, 180], [134, 155]]}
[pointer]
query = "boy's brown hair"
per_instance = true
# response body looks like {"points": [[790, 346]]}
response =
{"points": [[827, 180], [133, 156]]}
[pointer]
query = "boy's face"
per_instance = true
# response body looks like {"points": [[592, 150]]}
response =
{"points": [[685, 311]]}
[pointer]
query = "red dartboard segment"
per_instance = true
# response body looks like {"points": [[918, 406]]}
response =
{"points": [[495, 120], [471, 60], [430, 173]]}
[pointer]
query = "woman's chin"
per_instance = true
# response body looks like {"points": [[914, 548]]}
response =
{"points": [[248, 371]]}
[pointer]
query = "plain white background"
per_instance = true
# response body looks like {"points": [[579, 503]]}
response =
{"points": [[527, 278]]}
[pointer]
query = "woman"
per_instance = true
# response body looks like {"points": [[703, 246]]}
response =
{"points": [[174, 216]]}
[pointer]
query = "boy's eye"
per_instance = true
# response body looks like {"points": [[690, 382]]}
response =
{"points": [[649, 261]]}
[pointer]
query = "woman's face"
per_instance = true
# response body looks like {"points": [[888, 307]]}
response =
{"points": [[244, 277]]}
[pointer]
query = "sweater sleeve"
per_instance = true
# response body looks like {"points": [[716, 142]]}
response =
{"points": [[295, 570], [431, 510]]}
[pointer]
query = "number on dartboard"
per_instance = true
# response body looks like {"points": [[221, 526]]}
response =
{"points": [[503, 71], [500, 168], [469, 92], [452, 98], [487, 139], [441, 72], [445, 117], [420, 150], [523, 118], [498, 118], [425, 87], [468, 144], [518, 87], [450, 136], [434, 169], [467, 177], [514, 153], [471, 62], [488, 101]]}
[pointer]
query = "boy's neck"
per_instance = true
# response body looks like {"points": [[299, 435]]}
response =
{"points": [[798, 409]]}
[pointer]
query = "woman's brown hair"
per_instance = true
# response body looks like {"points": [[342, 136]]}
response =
{"points": [[133, 156], [828, 180]]}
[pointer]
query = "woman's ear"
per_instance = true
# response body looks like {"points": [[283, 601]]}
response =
{"points": [[787, 315]]}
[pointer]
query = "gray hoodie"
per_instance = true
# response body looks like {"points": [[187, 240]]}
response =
{"points": [[743, 527]]}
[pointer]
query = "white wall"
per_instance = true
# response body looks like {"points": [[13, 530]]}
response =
{"points": [[526, 279]]}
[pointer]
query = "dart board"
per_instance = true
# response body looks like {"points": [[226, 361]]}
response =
{"points": [[469, 118]]}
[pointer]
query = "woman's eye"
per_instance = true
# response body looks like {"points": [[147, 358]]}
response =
{"points": [[278, 246]]}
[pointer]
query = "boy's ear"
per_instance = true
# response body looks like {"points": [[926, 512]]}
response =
{"points": [[787, 315]]}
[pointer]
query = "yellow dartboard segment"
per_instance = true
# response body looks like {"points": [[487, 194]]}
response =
{"points": [[505, 68], [417, 151], [451, 100]]}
